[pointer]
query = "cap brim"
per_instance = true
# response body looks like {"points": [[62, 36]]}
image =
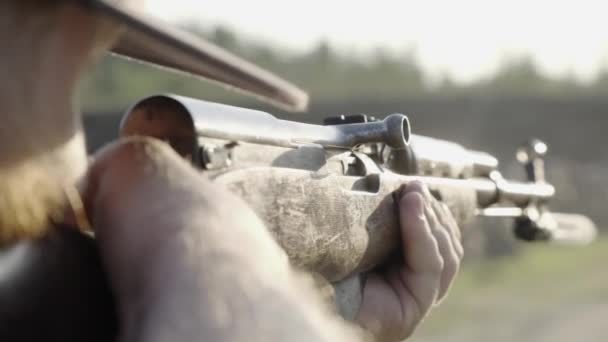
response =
{"points": [[151, 41]]}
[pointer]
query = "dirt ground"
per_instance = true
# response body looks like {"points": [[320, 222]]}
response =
{"points": [[543, 295], [586, 322]]}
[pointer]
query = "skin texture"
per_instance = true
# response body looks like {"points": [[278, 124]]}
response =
{"points": [[215, 271], [47, 47], [41, 140], [397, 297], [184, 257]]}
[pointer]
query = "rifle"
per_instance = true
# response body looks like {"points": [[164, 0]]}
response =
{"points": [[326, 192]]}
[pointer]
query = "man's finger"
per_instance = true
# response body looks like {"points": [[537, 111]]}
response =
{"points": [[447, 249], [143, 200], [452, 227], [423, 260], [420, 247], [442, 234], [451, 260]]}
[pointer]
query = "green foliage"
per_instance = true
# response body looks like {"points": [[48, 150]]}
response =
{"points": [[325, 72]]}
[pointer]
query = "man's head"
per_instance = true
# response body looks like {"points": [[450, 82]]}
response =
{"points": [[47, 46]]}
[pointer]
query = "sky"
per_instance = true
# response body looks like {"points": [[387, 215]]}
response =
{"points": [[466, 39]]}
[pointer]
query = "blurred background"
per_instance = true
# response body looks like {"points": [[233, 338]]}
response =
{"points": [[486, 74]]}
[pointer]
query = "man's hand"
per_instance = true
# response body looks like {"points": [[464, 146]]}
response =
{"points": [[187, 260], [184, 251], [397, 297]]}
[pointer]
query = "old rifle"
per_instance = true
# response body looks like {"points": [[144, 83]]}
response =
{"points": [[326, 191]]}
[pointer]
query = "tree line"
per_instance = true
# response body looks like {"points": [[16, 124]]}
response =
{"points": [[328, 74]]}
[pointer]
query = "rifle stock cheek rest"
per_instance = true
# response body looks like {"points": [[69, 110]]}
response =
{"points": [[333, 225]]}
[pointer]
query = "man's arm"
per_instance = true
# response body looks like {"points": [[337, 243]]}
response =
{"points": [[187, 259]]}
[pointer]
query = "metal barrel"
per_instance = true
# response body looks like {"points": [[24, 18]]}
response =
{"points": [[216, 120], [436, 157]]}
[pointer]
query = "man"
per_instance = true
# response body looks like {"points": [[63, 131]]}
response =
{"points": [[182, 265]]}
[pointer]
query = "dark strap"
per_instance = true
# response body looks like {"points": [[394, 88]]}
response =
{"points": [[54, 289]]}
